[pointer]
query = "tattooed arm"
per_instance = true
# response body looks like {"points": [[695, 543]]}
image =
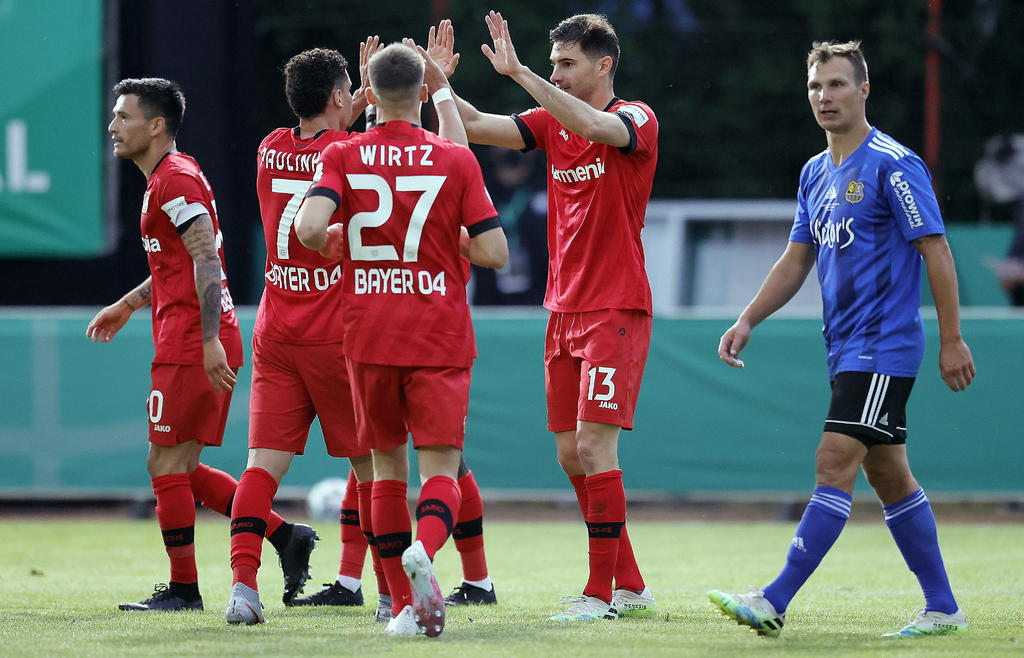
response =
{"points": [[201, 243], [109, 321]]}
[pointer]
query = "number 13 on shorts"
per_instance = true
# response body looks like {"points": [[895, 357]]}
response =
{"points": [[605, 389]]}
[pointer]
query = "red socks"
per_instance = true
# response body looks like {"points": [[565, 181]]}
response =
{"points": [[353, 542], [216, 489], [469, 531], [436, 511], [579, 483], [365, 490], [250, 510], [392, 532], [176, 515], [627, 572], [606, 515]]}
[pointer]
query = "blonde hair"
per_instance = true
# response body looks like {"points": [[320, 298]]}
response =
{"points": [[823, 51]]}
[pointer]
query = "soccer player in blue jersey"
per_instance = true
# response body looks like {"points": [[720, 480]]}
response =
{"points": [[866, 216]]}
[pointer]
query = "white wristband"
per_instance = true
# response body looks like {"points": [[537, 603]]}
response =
{"points": [[441, 95]]}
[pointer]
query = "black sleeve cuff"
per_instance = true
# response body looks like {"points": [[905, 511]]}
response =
{"points": [[528, 139], [483, 226], [327, 192], [632, 133], [184, 226]]}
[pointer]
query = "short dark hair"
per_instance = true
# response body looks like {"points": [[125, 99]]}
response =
{"points": [[594, 34], [396, 73], [822, 51], [309, 79], [157, 98]]}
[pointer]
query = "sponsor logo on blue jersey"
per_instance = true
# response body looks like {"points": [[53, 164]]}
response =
{"points": [[833, 234], [906, 198]]}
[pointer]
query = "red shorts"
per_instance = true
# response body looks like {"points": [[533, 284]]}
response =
{"points": [[393, 401], [593, 365], [292, 384], [182, 406]]}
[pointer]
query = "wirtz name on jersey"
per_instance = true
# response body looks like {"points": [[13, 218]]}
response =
{"points": [[394, 156]]}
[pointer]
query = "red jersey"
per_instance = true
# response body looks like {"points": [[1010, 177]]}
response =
{"points": [[597, 199], [301, 303], [404, 193], [178, 192]]}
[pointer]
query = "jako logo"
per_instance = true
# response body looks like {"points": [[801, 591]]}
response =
{"points": [[587, 172], [161, 428], [903, 192], [831, 234]]}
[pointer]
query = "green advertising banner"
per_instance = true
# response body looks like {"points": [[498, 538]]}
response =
{"points": [[51, 129]]}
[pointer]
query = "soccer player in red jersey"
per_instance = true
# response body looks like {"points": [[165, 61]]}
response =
{"points": [[601, 156], [298, 367], [195, 333], [404, 195]]}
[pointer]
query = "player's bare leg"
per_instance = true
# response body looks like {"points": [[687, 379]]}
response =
{"points": [[250, 513], [356, 538], [436, 511], [888, 472], [589, 456], [836, 463], [476, 587], [176, 514], [347, 587], [912, 524], [392, 531]]}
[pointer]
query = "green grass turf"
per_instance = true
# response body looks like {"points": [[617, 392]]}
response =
{"points": [[60, 582]]}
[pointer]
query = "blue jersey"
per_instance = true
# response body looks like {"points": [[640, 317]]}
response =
{"points": [[861, 218]]}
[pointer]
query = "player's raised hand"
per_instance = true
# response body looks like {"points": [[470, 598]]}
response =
{"points": [[433, 76], [366, 51], [335, 241], [441, 47], [732, 343], [215, 362], [503, 58], [108, 322], [956, 365]]}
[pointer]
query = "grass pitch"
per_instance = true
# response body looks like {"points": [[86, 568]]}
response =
{"points": [[60, 582]]}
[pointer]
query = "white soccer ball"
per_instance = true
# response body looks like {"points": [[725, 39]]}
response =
{"points": [[324, 499]]}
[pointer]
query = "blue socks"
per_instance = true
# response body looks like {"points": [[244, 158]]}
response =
{"points": [[819, 528], [912, 525]]}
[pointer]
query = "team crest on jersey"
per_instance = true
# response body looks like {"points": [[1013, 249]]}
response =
{"points": [[145, 202], [855, 191]]}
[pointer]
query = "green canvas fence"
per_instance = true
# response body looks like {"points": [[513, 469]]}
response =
{"points": [[73, 412]]}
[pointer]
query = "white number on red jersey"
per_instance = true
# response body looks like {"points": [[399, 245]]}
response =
{"points": [[606, 382], [430, 186], [298, 189]]}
